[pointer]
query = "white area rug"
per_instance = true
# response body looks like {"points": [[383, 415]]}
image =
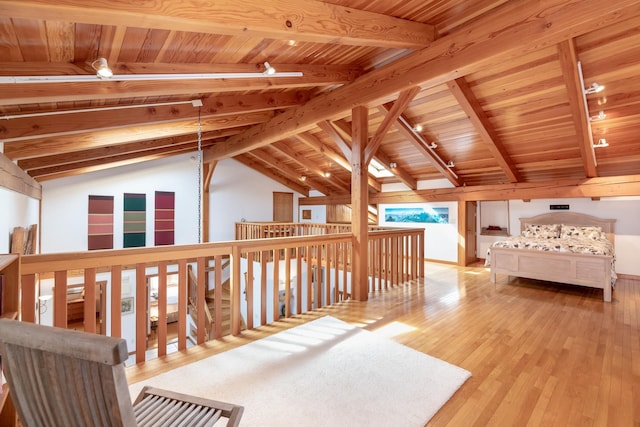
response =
{"points": [[323, 373]]}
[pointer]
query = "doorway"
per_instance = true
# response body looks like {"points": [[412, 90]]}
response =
{"points": [[282, 207]]}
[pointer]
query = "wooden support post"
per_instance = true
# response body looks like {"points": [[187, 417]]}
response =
{"points": [[359, 203], [462, 233]]}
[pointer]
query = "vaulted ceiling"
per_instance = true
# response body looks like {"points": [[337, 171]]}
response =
{"points": [[496, 86]]}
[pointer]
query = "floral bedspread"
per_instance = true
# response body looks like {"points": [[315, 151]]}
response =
{"points": [[578, 245]]}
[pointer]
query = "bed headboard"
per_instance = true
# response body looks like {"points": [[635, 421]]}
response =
{"points": [[572, 218]]}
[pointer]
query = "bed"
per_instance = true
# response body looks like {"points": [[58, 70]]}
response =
{"points": [[550, 260]]}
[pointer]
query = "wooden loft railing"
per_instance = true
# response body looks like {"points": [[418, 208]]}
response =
{"points": [[265, 230], [317, 269]]}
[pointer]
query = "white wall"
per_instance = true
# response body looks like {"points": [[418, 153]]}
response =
{"points": [[626, 211], [16, 210], [65, 201], [318, 213], [238, 192], [441, 240]]}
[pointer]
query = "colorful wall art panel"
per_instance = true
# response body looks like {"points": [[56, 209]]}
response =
{"points": [[164, 218], [100, 230], [135, 220]]}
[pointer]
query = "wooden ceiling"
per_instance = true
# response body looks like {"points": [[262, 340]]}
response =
{"points": [[494, 84]]}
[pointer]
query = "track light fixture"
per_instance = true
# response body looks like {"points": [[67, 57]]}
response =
{"points": [[327, 174], [602, 142], [103, 72], [594, 88], [451, 164], [433, 145], [268, 69], [393, 165], [418, 128], [102, 68], [303, 178], [601, 116]]}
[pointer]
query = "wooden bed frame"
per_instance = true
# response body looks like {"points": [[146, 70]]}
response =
{"points": [[576, 269]]}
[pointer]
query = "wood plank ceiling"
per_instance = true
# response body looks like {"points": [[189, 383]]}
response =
{"points": [[494, 84]]}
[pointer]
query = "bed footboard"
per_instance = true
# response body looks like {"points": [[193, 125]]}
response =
{"points": [[593, 271]]}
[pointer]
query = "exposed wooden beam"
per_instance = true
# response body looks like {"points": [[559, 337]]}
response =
{"points": [[15, 179], [304, 20], [331, 131], [48, 146], [472, 108], [579, 109], [25, 127], [66, 170], [423, 147], [251, 162], [263, 156], [628, 185], [381, 158], [323, 148], [183, 141], [311, 166], [510, 30], [390, 118], [399, 172]]}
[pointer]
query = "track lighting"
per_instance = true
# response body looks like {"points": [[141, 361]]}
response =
{"points": [[102, 68], [433, 145], [451, 164], [327, 174], [594, 88], [418, 128], [303, 178], [103, 72], [602, 142], [601, 116], [268, 69], [393, 165]]}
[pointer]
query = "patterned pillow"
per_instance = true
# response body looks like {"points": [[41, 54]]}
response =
{"points": [[541, 231], [577, 231]]}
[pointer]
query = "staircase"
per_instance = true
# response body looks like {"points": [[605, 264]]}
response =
{"points": [[210, 315]]}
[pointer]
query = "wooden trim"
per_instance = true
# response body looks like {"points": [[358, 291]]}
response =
{"points": [[622, 276], [625, 185]]}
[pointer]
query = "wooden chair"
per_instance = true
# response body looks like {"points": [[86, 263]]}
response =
{"points": [[60, 377]]}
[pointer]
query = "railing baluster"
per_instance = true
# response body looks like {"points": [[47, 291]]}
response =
{"points": [[60, 299], [116, 301], [161, 327], [393, 256], [182, 304], [141, 314], [249, 290], [90, 300]]}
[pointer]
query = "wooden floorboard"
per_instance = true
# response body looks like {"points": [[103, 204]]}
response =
{"points": [[540, 354]]}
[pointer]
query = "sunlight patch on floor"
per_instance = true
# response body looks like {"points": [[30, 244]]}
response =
{"points": [[394, 329]]}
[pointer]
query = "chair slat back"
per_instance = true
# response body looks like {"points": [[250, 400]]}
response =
{"points": [[63, 377]]}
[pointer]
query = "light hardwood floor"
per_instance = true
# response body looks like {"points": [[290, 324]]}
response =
{"points": [[539, 353]]}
